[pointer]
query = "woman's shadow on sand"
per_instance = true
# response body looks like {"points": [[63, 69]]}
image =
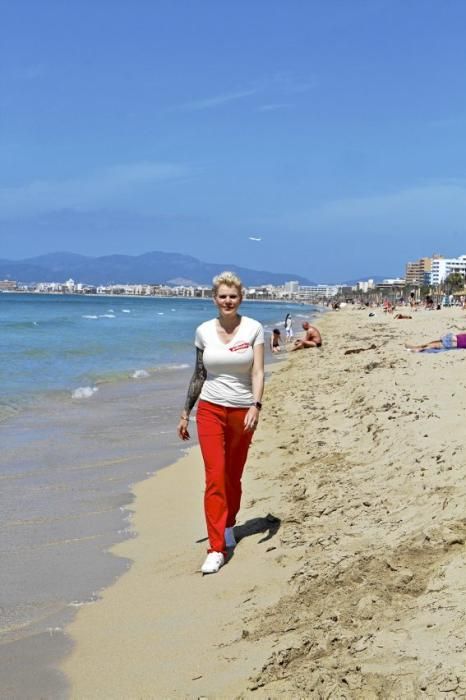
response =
{"points": [[269, 525]]}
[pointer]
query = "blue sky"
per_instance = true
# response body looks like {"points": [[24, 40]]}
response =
{"points": [[333, 131]]}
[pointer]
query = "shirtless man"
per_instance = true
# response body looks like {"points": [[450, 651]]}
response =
{"points": [[312, 339]]}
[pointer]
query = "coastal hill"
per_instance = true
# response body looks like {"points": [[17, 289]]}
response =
{"points": [[150, 268]]}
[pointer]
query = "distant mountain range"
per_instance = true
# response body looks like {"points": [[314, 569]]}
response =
{"points": [[151, 268]]}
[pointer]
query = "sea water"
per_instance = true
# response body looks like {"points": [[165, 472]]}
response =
{"points": [[91, 391], [71, 343]]}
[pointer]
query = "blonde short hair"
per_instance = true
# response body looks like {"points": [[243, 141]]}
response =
{"points": [[229, 279]]}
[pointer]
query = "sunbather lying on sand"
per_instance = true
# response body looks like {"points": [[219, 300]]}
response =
{"points": [[450, 341]]}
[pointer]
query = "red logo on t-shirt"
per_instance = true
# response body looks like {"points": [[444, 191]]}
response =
{"points": [[239, 347]]}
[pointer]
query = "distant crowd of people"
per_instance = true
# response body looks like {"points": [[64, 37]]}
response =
{"points": [[428, 302]]}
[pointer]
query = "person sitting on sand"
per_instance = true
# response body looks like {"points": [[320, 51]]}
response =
{"points": [[450, 341], [275, 340], [312, 339], [401, 317]]}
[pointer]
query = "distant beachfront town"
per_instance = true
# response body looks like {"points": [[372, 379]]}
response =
{"points": [[428, 275], [291, 290]]}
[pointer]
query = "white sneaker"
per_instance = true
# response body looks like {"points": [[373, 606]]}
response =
{"points": [[230, 539], [213, 562]]}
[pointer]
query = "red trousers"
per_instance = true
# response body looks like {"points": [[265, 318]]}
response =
{"points": [[224, 446]]}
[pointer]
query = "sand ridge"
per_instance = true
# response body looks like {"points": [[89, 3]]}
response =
{"points": [[350, 579]]}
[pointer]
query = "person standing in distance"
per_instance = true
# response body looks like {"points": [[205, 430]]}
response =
{"points": [[228, 379], [288, 328]]}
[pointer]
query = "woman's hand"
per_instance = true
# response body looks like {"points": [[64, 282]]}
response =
{"points": [[182, 429], [251, 419]]}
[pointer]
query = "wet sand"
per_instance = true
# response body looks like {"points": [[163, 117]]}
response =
{"points": [[349, 578], [67, 468]]}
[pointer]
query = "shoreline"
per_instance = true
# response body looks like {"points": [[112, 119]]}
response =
{"points": [[14, 406], [67, 489], [178, 634], [37, 436], [344, 575]]}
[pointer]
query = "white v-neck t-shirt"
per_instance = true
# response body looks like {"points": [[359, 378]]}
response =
{"points": [[228, 365]]}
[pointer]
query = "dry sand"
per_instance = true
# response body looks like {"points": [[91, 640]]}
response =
{"points": [[350, 577]]}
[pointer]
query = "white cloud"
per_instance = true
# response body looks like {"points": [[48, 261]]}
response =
{"points": [[447, 122], [25, 73], [433, 208], [443, 202], [274, 107], [34, 71], [91, 190], [288, 83], [216, 100], [282, 83]]}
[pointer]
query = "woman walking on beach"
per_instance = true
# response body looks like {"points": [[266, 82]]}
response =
{"points": [[229, 381]]}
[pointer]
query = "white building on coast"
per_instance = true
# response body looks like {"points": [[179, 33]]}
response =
{"points": [[365, 285], [289, 291], [317, 291], [291, 287], [442, 267]]}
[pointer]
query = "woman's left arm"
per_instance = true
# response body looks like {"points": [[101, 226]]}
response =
{"points": [[257, 375]]}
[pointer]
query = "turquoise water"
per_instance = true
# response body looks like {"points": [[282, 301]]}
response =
{"points": [[55, 343]]}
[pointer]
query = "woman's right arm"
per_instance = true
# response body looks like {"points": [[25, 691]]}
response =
{"points": [[194, 390]]}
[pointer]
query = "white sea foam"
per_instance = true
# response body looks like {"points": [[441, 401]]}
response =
{"points": [[168, 368], [140, 374], [84, 392], [88, 316], [160, 313], [107, 316], [125, 311], [128, 531], [80, 603]]}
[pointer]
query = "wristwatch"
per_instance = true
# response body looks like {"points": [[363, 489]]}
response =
{"points": [[258, 405]]}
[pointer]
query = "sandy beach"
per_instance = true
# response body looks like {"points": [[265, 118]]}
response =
{"points": [[349, 578]]}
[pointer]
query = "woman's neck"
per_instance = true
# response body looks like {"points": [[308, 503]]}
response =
{"points": [[229, 323]]}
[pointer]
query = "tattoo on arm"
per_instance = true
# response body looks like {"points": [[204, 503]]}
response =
{"points": [[197, 380]]}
